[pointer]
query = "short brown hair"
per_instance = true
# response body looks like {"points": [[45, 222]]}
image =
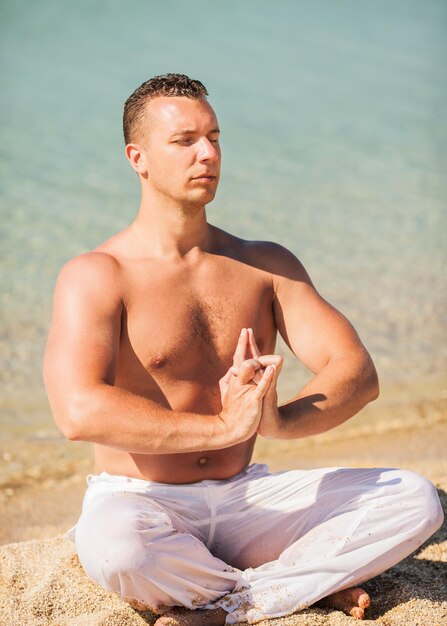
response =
{"points": [[164, 85]]}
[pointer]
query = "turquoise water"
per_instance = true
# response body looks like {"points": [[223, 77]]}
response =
{"points": [[334, 120]]}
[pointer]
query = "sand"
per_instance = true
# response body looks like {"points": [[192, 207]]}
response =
{"points": [[43, 584]]}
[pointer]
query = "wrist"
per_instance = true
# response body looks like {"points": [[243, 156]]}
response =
{"points": [[229, 431], [222, 435], [270, 424]]}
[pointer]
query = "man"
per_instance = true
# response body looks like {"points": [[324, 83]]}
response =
{"points": [[161, 353]]}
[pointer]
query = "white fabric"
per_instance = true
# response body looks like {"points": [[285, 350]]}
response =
{"points": [[259, 545]]}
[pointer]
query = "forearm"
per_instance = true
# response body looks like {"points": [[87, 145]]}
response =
{"points": [[117, 418], [343, 387]]}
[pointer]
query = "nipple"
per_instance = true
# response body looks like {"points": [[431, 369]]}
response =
{"points": [[158, 361]]}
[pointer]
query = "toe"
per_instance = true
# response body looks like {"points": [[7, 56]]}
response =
{"points": [[166, 621], [357, 612], [360, 597], [364, 600]]}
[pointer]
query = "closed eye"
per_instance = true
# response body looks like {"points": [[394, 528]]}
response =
{"points": [[187, 141]]}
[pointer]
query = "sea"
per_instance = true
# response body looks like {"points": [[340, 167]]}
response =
{"points": [[334, 140]]}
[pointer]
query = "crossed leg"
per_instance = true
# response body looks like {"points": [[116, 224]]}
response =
{"points": [[348, 526]]}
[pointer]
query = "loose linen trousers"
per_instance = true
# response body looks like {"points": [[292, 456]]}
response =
{"points": [[259, 545]]}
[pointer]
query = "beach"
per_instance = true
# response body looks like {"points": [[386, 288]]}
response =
{"points": [[43, 583], [333, 140]]}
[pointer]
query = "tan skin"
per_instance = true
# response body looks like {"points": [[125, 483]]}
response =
{"points": [[161, 348]]}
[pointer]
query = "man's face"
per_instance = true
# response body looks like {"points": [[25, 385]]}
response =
{"points": [[182, 149]]}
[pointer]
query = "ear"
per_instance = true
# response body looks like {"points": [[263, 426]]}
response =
{"points": [[137, 158]]}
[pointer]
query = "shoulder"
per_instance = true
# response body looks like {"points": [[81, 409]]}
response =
{"points": [[267, 253], [267, 256], [90, 266], [277, 260], [270, 252], [95, 273]]}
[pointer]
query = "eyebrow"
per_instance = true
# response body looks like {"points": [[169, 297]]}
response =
{"points": [[192, 132]]}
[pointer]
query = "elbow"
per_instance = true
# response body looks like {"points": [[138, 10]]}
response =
{"points": [[371, 385], [71, 430], [373, 388], [71, 419], [68, 430]]}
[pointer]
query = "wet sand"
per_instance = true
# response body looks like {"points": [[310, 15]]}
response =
{"points": [[42, 582]]}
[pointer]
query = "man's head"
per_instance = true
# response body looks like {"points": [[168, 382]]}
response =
{"points": [[172, 140], [135, 117]]}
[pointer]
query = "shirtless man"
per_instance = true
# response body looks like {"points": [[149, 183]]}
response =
{"points": [[161, 354]]}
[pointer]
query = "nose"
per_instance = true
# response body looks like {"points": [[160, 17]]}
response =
{"points": [[207, 151]]}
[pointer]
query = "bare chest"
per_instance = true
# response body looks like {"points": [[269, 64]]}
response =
{"points": [[178, 328]]}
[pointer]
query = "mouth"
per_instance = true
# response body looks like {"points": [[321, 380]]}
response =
{"points": [[205, 179]]}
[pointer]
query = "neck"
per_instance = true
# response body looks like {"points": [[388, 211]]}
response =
{"points": [[166, 228]]}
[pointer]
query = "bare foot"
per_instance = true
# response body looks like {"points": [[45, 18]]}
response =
{"points": [[351, 601], [185, 617]]}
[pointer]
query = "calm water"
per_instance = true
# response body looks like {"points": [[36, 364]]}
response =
{"points": [[334, 120]]}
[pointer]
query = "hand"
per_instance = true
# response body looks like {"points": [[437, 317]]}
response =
{"points": [[241, 396], [247, 348], [242, 353]]}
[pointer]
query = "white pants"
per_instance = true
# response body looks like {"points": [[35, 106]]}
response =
{"points": [[258, 545]]}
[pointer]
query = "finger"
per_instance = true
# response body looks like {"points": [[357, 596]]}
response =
{"points": [[223, 384], [266, 380], [252, 344], [272, 359], [271, 395], [256, 377], [240, 353], [226, 379], [247, 370]]}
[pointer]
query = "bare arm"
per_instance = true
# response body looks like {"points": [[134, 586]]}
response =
{"points": [[324, 340], [80, 369]]}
